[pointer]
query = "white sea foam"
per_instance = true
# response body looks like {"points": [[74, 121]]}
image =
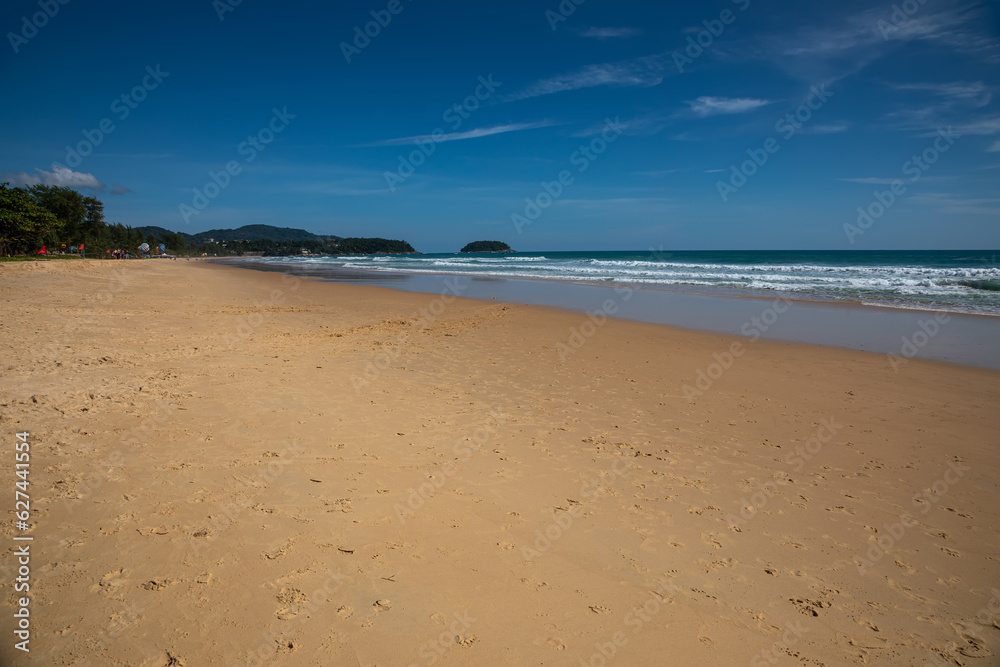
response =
{"points": [[901, 286]]}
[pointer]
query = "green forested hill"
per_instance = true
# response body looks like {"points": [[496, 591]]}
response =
{"points": [[61, 219]]}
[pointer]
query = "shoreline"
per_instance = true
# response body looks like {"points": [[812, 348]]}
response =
{"points": [[680, 288], [360, 472], [829, 275], [967, 340]]}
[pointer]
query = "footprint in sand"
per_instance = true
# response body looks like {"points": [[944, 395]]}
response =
{"points": [[292, 599], [286, 613], [970, 644], [709, 539], [345, 612], [725, 562], [158, 584], [276, 553], [290, 596], [538, 585], [113, 580], [961, 514], [808, 607], [868, 624], [906, 566]]}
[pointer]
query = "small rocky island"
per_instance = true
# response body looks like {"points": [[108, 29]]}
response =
{"points": [[487, 246]]}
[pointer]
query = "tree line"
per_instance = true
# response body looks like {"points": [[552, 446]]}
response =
{"points": [[54, 216]]}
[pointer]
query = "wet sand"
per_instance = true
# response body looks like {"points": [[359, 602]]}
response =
{"points": [[960, 338]]}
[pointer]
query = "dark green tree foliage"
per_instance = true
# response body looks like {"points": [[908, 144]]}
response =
{"points": [[53, 215], [487, 246], [256, 233], [66, 204], [22, 222], [376, 246], [93, 218]]}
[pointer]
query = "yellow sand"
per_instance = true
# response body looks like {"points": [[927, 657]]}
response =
{"points": [[232, 467]]}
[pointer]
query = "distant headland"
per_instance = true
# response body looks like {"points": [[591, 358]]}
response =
{"points": [[276, 241], [50, 220]]}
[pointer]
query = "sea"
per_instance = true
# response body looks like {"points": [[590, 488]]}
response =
{"points": [[959, 281]]}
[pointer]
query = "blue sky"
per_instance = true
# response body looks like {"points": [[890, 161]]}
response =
{"points": [[693, 91]]}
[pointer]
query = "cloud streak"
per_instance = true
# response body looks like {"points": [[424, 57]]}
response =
{"points": [[841, 47], [973, 93], [461, 136], [610, 33], [716, 106], [871, 180], [640, 72]]}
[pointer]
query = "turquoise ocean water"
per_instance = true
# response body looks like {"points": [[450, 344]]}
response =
{"points": [[966, 281]]}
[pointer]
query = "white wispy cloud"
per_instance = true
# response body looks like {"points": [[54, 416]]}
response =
{"points": [[994, 148], [973, 93], [980, 126], [952, 203], [827, 128], [639, 72], [334, 189], [958, 26], [838, 47], [615, 201], [959, 104], [659, 172], [608, 33], [872, 180], [714, 106], [459, 136], [59, 176]]}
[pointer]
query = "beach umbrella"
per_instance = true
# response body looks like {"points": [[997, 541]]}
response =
{"points": [[144, 247], [161, 248]]}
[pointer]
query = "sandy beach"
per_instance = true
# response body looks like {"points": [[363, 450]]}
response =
{"points": [[231, 467]]}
